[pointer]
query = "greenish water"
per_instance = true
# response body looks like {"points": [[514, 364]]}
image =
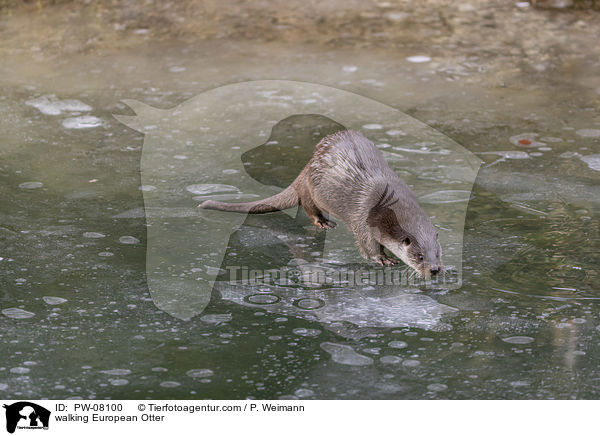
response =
{"points": [[524, 324]]}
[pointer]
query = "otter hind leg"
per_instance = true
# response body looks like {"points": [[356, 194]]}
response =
{"points": [[313, 212], [321, 221]]}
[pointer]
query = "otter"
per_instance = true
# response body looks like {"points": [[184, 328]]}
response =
{"points": [[348, 178]]}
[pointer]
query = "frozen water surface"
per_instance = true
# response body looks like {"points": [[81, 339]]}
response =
{"points": [[50, 105], [117, 371], [216, 318], [82, 122], [200, 373], [589, 133], [30, 185], [16, 313], [209, 188], [372, 126], [304, 393], [397, 344], [418, 59], [391, 360], [129, 240], [592, 161], [518, 340], [451, 196], [116, 284], [306, 332], [94, 235], [362, 308], [437, 387], [53, 301], [345, 355]]}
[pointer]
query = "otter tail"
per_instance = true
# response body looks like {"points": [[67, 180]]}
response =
{"points": [[284, 200]]}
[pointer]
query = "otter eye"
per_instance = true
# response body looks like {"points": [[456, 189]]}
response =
{"points": [[421, 257]]}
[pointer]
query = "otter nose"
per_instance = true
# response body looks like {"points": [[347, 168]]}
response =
{"points": [[435, 270]]}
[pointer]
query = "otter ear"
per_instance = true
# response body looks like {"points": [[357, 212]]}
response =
{"points": [[406, 241]]}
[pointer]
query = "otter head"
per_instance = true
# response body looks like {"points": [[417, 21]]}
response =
{"points": [[418, 247], [424, 255]]}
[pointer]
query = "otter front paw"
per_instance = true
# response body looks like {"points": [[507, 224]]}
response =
{"points": [[382, 259]]}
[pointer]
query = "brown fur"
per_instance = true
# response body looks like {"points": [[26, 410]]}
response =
{"points": [[348, 178]]}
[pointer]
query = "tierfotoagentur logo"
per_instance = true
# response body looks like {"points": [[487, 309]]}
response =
{"points": [[310, 274], [247, 142], [24, 415]]}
